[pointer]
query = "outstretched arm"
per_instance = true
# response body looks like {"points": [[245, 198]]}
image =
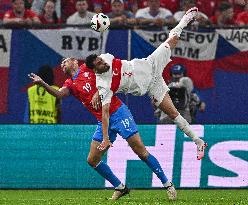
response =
{"points": [[106, 96], [62, 92], [105, 125]]}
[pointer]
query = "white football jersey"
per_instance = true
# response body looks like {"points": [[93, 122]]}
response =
{"points": [[132, 77]]}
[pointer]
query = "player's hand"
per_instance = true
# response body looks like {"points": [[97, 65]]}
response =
{"points": [[104, 145], [96, 101], [35, 78]]}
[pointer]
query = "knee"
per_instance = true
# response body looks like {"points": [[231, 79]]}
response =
{"points": [[93, 161], [173, 114], [143, 155]]}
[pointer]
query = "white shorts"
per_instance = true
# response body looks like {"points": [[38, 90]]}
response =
{"points": [[159, 59], [157, 91]]}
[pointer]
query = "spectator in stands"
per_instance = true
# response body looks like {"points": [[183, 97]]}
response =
{"points": [[19, 16], [42, 107], [39, 5], [181, 92], [5, 5], [224, 16], [49, 15], [82, 16], [242, 18], [28, 4], [119, 17], [202, 18], [207, 7], [238, 6], [102, 6], [67, 9], [172, 5], [154, 16]]}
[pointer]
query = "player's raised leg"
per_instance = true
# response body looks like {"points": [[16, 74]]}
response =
{"points": [[186, 19], [168, 107], [94, 160], [138, 147]]}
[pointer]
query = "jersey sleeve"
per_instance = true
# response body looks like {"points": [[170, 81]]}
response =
{"points": [[67, 84], [103, 83], [105, 95], [108, 58]]}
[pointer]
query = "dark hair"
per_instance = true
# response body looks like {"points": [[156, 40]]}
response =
{"points": [[46, 73], [89, 61], [224, 6], [55, 16]]}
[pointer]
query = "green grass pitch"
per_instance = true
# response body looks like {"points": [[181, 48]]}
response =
{"points": [[139, 197]]}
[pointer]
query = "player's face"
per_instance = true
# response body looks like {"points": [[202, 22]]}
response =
{"points": [[68, 66], [100, 65]]}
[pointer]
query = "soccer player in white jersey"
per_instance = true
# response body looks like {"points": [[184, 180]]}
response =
{"points": [[139, 77]]}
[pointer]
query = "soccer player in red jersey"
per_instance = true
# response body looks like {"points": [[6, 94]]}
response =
{"points": [[81, 83]]}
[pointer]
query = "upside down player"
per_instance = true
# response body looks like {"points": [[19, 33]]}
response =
{"points": [[141, 76], [81, 83]]}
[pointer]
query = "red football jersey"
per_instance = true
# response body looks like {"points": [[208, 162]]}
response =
{"points": [[83, 87], [27, 14]]}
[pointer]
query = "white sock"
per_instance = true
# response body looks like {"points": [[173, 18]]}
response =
{"points": [[166, 184], [121, 186], [184, 126], [178, 29]]}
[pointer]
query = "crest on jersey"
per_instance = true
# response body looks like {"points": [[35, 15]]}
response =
{"points": [[86, 74]]}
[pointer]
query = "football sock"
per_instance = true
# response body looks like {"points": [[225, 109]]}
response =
{"points": [[121, 186], [184, 126], [104, 170], [167, 184], [154, 165], [179, 27]]}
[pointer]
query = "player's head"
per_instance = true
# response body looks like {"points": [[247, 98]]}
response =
{"points": [[69, 66], [177, 71], [97, 64]]}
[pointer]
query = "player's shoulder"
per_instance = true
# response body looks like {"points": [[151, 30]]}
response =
{"points": [[68, 82], [108, 58]]}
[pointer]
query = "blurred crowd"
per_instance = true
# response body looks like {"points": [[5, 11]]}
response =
{"points": [[123, 13]]}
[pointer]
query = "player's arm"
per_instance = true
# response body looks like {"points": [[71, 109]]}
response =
{"points": [[105, 121], [106, 96], [62, 92]]}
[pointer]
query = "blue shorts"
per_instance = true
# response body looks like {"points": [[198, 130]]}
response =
{"points": [[121, 122]]}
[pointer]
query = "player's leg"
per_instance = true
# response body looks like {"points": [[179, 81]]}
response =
{"points": [[95, 159], [186, 19], [138, 147], [127, 128], [168, 107], [159, 94]]}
